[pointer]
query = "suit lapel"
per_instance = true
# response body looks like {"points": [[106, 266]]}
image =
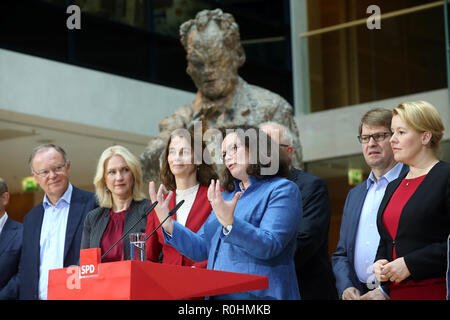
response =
{"points": [[358, 206], [35, 234], [101, 227], [388, 194], [7, 235], [196, 207], [172, 204], [73, 220], [387, 197]]}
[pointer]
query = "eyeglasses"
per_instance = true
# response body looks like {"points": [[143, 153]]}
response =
{"points": [[56, 170], [378, 137], [231, 151]]}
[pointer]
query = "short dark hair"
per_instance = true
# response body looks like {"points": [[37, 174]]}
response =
{"points": [[255, 169], [44, 147], [205, 171], [3, 186], [377, 117]]}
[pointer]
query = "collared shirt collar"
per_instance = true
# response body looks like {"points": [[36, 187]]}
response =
{"points": [[237, 183], [389, 176], [65, 197], [3, 221]]}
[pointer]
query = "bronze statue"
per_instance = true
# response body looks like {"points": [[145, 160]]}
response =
{"points": [[214, 54]]}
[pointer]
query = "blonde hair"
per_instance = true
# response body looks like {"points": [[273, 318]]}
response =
{"points": [[104, 196], [422, 116]]}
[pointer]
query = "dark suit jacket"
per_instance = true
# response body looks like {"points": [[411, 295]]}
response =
{"points": [[10, 247], [312, 264], [80, 204], [344, 258], [423, 227], [97, 221]]}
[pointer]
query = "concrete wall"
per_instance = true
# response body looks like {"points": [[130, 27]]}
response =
{"points": [[332, 133], [61, 91], [58, 91]]}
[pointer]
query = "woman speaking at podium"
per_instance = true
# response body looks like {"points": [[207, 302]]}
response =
{"points": [[252, 228]]}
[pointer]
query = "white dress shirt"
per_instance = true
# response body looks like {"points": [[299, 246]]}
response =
{"points": [[53, 236], [367, 237]]}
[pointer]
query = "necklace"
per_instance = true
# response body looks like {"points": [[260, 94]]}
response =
{"points": [[422, 173], [408, 181]]}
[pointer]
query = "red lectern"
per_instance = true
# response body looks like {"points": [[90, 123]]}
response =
{"points": [[136, 280]]}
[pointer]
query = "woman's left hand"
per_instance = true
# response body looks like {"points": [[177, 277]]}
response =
{"points": [[162, 208], [396, 271], [224, 210]]}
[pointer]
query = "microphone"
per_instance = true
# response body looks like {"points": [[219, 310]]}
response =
{"points": [[128, 231], [171, 213]]}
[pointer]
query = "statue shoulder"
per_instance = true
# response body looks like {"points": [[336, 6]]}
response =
{"points": [[180, 118], [265, 98]]}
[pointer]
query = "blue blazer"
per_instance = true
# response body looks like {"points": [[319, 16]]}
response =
{"points": [[261, 242], [343, 259], [80, 204], [10, 247]]}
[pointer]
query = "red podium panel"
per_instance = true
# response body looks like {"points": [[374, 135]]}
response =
{"points": [[136, 280]]}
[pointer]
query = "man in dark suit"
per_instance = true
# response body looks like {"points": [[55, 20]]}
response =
{"points": [[359, 237], [10, 246], [314, 274], [52, 230]]}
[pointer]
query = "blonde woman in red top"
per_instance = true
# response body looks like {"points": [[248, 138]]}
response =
{"points": [[186, 181], [414, 215]]}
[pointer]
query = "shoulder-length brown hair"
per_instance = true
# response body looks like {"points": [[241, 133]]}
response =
{"points": [[255, 168], [205, 171]]}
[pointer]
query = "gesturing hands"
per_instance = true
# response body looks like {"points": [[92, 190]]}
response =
{"points": [[162, 208], [395, 271], [224, 210]]}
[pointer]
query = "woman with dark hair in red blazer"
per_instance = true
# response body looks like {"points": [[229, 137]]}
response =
{"points": [[414, 215], [188, 182]]}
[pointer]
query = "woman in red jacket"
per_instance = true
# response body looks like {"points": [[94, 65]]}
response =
{"points": [[189, 182]]}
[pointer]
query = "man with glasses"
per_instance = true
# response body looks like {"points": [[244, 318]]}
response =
{"points": [[52, 230], [10, 246], [359, 238], [312, 263]]}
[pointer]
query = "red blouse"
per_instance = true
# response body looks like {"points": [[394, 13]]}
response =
{"points": [[200, 211], [392, 213], [113, 232]]}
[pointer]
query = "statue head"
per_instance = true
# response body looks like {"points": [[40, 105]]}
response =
{"points": [[213, 51]]}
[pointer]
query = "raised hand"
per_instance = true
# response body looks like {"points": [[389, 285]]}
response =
{"points": [[162, 208], [224, 210]]}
